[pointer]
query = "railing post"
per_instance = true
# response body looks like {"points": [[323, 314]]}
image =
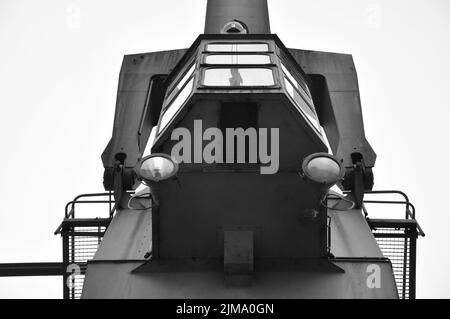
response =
{"points": [[412, 264], [65, 251], [405, 264]]}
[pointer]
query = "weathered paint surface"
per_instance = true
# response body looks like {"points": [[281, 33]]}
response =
{"points": [[114, 280]]}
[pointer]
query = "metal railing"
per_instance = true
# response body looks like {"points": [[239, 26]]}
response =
{"points": [[397, 239], [82, 236], [80, 240]]}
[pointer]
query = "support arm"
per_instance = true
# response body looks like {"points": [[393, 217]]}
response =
{"points": [[139, 100], [336, 97]]}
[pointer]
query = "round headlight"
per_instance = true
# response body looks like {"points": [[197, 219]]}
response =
{"points": [[323, 168], [156, 167]]}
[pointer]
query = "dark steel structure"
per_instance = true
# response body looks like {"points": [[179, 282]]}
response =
{"points": [[224, 229]]}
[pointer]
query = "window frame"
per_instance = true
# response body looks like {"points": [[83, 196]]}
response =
{"points": [[206, 55], [304, 92], [273, 66], [238, 87], [169, 103], [268, 43], [179, 77], [307, 99], [298, 106]]}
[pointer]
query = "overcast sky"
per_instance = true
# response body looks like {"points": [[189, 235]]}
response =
{"points": [[59, 67]]}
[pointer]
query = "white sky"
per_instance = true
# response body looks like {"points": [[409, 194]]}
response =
{"points": [[58, 82]]}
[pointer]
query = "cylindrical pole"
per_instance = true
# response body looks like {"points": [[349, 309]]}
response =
{"points": [[254, 14]]}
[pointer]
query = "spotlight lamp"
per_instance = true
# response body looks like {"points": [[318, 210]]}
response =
{"points": [[155, 168], [323, 169]]}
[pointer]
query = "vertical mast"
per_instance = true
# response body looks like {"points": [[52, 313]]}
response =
{"points": [[253, 14]]}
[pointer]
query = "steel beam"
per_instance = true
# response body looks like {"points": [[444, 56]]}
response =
{"points": [[31, 269]]}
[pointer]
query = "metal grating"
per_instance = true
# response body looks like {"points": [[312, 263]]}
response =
{"points": [[398, 250], [81, 250], [75, 285], [397, 238], [81, 238]]}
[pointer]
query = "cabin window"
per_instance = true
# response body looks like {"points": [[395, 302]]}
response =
{"points": [[181, 83], [301, 88], [240, 77], [176, 105], [237, 59], [237, 47], [301, 104]]}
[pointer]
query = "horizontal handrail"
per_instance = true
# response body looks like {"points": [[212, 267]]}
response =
{"points": [[408, 204], [388, 192], [71, 213], [76, 201], [410, 211]]}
